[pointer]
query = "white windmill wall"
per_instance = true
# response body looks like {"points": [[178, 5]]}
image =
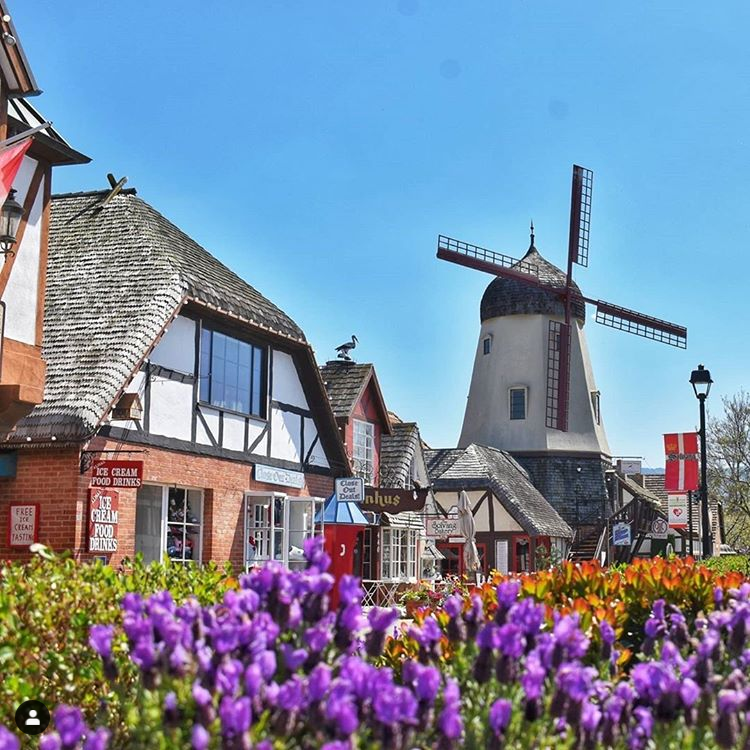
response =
{"points": [[518, 357]]}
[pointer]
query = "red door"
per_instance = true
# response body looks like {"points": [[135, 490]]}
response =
{"points": [[453, 564]]}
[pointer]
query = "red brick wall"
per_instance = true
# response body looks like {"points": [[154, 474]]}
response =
{"points": [[51, 478]]}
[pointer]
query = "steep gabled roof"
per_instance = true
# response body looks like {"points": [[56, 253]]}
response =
{"points": [[115, 278], [481, 467], [13, 63], [397, 453], [345, 382]]}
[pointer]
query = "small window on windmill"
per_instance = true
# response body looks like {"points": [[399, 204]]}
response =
{"points": [[128, 407], [487, 345], [596, 406], [517, 402]]}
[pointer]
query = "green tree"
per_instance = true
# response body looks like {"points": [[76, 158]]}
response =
{"points": [[728, 439]]}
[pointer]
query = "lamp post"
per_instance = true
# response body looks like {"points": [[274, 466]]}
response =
{"points": [[701, 381], [10, 217]]}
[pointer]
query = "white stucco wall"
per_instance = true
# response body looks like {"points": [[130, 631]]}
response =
{"points": [[176, 349], [317, 456], [20, 294], [171, 411], [519, 358], [285, 435], [286, 385], [503, 520]]}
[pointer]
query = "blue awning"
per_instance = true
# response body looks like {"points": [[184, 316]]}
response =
{"points": [[344, 512]]}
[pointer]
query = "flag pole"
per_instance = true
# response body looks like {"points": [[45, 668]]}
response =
{"points": [[21, 136]]}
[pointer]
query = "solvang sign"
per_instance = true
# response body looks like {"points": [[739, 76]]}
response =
{"points": [[393, 500], [440, 527]]}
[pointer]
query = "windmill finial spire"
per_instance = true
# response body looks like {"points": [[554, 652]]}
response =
{"points": [[532, 233]]}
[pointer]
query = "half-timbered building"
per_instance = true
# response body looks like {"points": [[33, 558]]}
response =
{"points": [[159, 354], [517, 530]]}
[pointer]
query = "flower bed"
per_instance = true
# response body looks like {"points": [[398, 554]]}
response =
{"points": [[270, 667]]}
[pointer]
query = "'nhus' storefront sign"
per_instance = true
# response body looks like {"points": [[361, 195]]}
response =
{"points": [[284, 477], [120, 474], [103, 519], [379, 499]]}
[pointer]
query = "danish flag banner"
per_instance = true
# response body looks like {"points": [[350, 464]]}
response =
{"points": [[681, 472]]}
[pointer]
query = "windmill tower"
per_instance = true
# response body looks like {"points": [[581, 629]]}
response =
{"points": [[532, 390]]}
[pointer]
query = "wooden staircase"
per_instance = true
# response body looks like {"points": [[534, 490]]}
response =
{"points": [[586, 542]]}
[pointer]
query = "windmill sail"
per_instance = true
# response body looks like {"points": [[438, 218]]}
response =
{"points": [[482, 259], [639, 324], [558, 375], [580, 215]]}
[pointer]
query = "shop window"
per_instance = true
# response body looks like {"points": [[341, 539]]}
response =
{"points": [[363, 451], [399, 554], [276, 527], [169, 523], [522, 555], [232, 373], [517, 402]]}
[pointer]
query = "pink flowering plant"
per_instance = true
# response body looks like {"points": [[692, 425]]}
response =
{"points": [[271, 667]]}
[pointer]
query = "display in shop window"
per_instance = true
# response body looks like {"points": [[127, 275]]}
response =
{"points": [[183, 524]]}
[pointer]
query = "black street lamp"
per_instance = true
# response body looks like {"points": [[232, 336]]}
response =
{"points": [[701, 381], [10, 217]]}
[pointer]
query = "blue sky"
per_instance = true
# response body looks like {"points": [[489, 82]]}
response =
{"points": [[318, 148]]}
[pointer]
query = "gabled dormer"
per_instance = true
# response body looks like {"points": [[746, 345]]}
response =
{"points": [[360, 412], [23, 272]]}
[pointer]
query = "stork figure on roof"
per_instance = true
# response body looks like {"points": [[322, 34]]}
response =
{"points": [[532, 390], [344, 349]]}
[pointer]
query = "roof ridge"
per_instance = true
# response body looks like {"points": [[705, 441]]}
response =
{"points": [[87, 193]]}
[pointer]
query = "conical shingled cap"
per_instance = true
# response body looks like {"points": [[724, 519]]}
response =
{"points": [[506, 296]]}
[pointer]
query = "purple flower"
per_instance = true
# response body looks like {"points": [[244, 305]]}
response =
{"points": [[591, 716], [450, 722], [46, 741], [337, 745], [235, 715], [507, 593], [143, 655], [100, 639], [267, 663], [453, 605], [381, 619], [689, 692], [341, 709], [500, 714], [318, 682], [291, 696], [9, 741], [294, 658], [511, 640], [200, 737], [315, 554], [228, 676], [533, 677], [350, 592], [69, 724], [97, 740], [426, 682], [394, 705]]}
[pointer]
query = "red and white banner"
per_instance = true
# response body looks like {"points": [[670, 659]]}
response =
{"points": [[10, 162], [681, 471]]}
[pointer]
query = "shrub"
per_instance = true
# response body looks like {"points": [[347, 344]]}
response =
{"points": [[47, 607]]}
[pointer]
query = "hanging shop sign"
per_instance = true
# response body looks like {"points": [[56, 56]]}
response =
{"points": [[379, 499], [621, 535], [119, 474], [677, 511], [283, 477], [440, 527], [103, 518], [659, 528], [350, 489], [23, 529], [681, 470]]}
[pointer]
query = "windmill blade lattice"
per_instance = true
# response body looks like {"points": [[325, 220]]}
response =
{"points": [[580, 215], [639, 324], [482, 259]]}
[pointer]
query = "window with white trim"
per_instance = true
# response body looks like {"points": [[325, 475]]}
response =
{"points": [[363, 450], [398, 557], [517, 402], [169, 523]]}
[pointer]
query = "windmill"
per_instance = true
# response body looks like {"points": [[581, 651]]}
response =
{"points": [[559, 333]]}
